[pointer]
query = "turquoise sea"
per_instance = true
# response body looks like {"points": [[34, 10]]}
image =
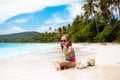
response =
{"points": [[8, 50]]}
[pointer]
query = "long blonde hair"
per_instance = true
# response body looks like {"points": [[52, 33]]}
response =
{"points": [[70, 42]]}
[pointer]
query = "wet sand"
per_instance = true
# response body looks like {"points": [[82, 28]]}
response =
{"points": [[36, 66]]}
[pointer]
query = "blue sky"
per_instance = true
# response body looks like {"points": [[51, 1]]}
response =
{"points": [[37, 15]]}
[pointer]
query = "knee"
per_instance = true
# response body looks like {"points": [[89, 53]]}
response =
{"points": [[60, 63]]}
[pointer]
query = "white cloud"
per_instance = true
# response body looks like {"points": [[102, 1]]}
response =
{"points": [[56, 19], [14, 29], [75, 8], [46, 28], [10, 8], [20, 21]]}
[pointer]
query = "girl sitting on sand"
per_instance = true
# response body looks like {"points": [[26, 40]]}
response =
{"points": [[70, 60]]}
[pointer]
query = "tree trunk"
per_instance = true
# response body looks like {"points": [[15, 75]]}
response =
{"points": [[96, 26]]}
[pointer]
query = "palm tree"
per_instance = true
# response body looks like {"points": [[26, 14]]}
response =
{"points": [[64, 29], [104, 6], [89, 8], [59, 30], [86, 14], [68, 26], [50, 28], [55, 30], [96, 18], [76, 21], [107, 7]]}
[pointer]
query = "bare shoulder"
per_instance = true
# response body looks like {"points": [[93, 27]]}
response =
{"points": [[70, 49]]}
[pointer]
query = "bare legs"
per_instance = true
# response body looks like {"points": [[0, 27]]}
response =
{"points": [[57, 64], [61, 64], [81, 64]]}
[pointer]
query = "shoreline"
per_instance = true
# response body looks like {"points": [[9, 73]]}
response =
{"points": [[34, 66]]}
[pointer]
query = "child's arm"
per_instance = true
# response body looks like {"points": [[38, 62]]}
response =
{"points": [[70, 51]]}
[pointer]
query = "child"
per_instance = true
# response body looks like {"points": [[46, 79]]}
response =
{"points": [[70, 60]]}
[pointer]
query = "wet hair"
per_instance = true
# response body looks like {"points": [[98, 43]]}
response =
{"points": [[70, 42]]}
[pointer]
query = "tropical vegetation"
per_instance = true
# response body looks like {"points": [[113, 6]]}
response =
{"points": [[99, 23]]}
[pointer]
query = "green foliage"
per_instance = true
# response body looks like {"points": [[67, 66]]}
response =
{"points": [[118, 37], [80, 32], [92, 26], [106, 35]]}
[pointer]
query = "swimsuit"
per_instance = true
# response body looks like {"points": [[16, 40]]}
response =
{"points": [[69, 57]]}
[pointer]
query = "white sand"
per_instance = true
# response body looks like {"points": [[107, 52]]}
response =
{"points": [[34, 67]]}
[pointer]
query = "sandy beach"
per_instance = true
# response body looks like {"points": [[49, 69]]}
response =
{"points": [[37, 66]]}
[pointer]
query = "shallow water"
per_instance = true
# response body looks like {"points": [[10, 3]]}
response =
{"points": [[8, 50]]}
